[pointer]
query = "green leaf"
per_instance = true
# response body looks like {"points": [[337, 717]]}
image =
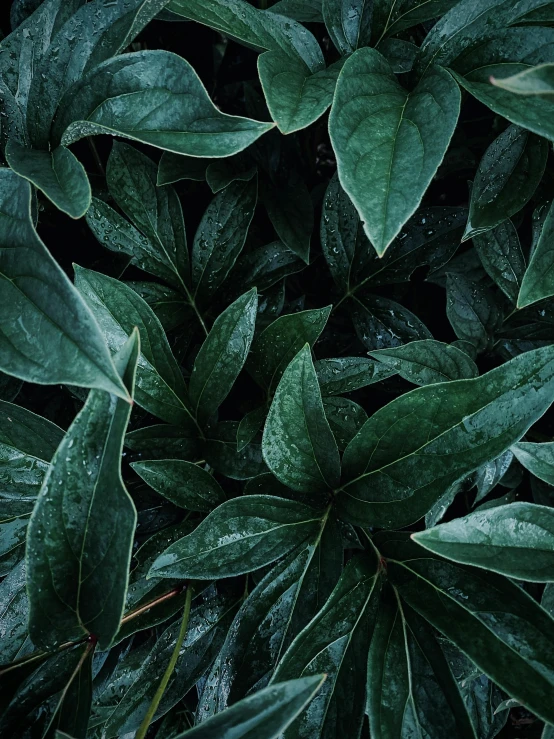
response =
{"points": [[163, 441], [411, 690], [265, 266], [537, 80], [160, 387], [185, 484], [81, 531], [33, 321], [427, 362], [175, 167], [92, 35], [249, 426], [537, 458], [401, 55], [220, 452], [346, 374], [155, 211], [298, 444], [538, 280], [14, 613], [222, 172], [472, 311], [536, 114], [389, 143], [169, 305], [345, 419], [205, 634], [502, 257], [348, 23], [507, 177], [336, 642], [267, 713], [12, 543], [58, 174], [274, 349], [240, 536], [290, 210], [382, 323], [222, 356], [460, 426], [220, 237], [493, 621], [516, 540], [151, 103], [305, 11], [392, 16]]}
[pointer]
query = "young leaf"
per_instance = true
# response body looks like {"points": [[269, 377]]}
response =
{"points": [[389, 143], [32, 320], [409, 684], [501, 255], [81, 531], [58, 174], [298, 444], [537, 458], [516, 540], [460, 425], [336, 641], [240, 536], [506, 179], [222, 356], [348, 23], [160, 387], [538, 280], [427, 362], [477, 610], [281, 341], [268, 712], [146, 97], [185, 484]]}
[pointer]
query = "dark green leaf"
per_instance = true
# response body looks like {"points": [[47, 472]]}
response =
{"points": [[305, 11], [535, 81], [14, 613], [298, 444], [264, 266], [81, 531], [240, 536], [348, 23], [163, 441], [290, 210], [538, 280], [175, 167], [345, 418], [220, 452], [249, 426], [537, 458], [472, 310], [382, 323], [185, 484], [346, 374], [460, 425], [33, 320], [392, 16], [501, 255]]}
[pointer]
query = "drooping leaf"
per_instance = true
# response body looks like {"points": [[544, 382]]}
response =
{"points": [[538, 280], [516, 540], [222, 356], [183, 483], [145, 96], [460, 425], [58, 174], [33, 321], [298, 444], [81, 531], [389, 143], [240, 536], [427, 362]]}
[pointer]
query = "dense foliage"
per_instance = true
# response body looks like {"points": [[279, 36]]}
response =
{"points": [[277, 362]]}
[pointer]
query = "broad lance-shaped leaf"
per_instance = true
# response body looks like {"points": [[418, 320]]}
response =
{"points": [[41, 309], [490, 619], [240, 536], [154, 97], [81, 531], [265, 715], [537, 80], [538, 280], [298, 444], [411, 690], [516, 540], [537, 458], [222, 356], [346, 374], [95, 33], [427, 362], [336, 642], [348, 23], [382, 323], [27, 444], [220, 237], [396, 470], [281, 341], [288, 597], [160, 387], [58, 174], [185, 484], [506, 179], [388, 142]]}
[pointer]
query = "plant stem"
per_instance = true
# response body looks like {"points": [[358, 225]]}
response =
{"points": [[148, 606], [141, 733]]}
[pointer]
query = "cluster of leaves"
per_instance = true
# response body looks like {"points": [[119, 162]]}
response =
{"points": [[297, 479]]}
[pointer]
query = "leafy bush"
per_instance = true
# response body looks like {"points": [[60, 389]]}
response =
{"points": [[294, 476]]}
